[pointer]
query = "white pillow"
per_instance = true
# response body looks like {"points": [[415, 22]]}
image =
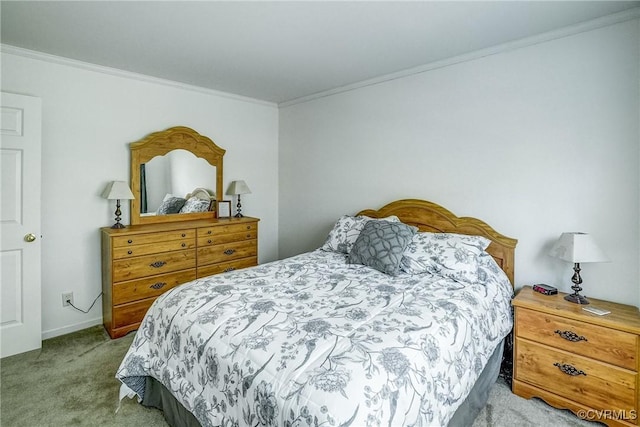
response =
{"points": [[346, 231], [455, 256]]}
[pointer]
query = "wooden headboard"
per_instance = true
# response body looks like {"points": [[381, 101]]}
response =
{"points": [[428, 216]]}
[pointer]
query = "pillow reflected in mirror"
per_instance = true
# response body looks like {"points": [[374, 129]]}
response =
{"points": [[171, 205], [195, 204]]}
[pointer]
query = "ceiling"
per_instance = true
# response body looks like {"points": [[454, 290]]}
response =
{"points": [[280, 51]]}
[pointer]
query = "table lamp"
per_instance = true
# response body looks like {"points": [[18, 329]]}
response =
{"points": [[236, 189], [117, 190], [576, 248]]}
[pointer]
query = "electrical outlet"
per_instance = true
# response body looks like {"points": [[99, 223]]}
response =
{"points": [[67, 299]]}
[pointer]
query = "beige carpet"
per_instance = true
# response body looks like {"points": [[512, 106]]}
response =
{"points": [[70, 382]]}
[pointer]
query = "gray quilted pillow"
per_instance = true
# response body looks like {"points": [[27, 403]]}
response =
{"points": [[381, 244], [171, 205]]}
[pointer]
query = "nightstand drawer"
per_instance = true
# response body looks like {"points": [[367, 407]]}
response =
{"points": [[596, 342], [594, 384]]}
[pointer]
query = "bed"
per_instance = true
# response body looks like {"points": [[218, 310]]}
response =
{"points": [[335, 336]]}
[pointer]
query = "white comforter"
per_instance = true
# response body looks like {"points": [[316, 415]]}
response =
{"points": [[312, 340]]}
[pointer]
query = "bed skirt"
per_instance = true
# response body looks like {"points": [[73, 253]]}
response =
{"points": [[157, 396], [477, 399]]}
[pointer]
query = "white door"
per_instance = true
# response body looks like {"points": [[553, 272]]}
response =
{"points": [[20, 171]]}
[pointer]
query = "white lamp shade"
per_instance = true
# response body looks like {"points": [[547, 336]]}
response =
{"points": [[117, 190], [238, 187], [578, 247]]}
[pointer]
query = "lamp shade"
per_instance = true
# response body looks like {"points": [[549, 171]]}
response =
{"points": [[238, 187], [117, 190], [577, 247]]}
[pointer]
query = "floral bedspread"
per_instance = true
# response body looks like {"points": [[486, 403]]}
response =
{"points": [[314, 341]]}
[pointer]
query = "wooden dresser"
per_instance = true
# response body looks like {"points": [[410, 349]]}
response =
{"points": [[140, 262], [576, 360]]}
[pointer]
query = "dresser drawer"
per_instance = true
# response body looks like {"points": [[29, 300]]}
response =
{"points": [[133, 290], [227, 229], [227, 252], [147, 238], [224, 267], [153, 248], [127, 314], [597, 342], [597, 385], [151, 265], [217, 239]]}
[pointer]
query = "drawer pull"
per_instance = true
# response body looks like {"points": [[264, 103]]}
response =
{"points": [[129, 241], [129, 252], [184, 235], [209, 241], [229, 251], [158, 285], [569, 370], [209, 232], [184, 244], [157, 264], [248, 227], [248, 236], [226, 270], [570, 336]]}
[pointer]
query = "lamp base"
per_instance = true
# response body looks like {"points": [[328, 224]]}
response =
{"points": [[118, 218], [577, 299], [239, 209]]}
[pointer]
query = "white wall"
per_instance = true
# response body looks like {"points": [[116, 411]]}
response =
{"points": [[89, 118], [535, 141]]}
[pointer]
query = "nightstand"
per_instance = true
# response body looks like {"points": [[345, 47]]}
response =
{"points": [[576, 360]]}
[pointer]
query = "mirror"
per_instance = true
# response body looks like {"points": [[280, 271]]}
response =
{"points": [[164, 176], [177, 162]]}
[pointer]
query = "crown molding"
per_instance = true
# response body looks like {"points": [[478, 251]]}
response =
{"points": [[594, 24], [32, 54]]}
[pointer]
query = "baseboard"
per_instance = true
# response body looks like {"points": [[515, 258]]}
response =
{"points": [[52, 333]]}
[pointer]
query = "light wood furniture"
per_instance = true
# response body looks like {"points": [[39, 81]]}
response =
{"points": [[141, 262], [161, 143], [159, 252], [428, 216], [576, 360]]}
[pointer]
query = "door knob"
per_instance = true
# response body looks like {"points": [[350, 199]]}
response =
{"points": [[30, 237]]}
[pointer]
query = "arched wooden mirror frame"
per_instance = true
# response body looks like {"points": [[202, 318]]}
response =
{"points": [[159, 144]]}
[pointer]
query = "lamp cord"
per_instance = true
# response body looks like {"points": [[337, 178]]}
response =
{"points": [[89, 309]]}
